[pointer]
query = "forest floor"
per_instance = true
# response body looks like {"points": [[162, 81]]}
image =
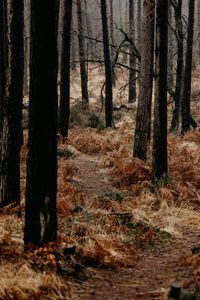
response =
{"points": [[117, 239], [156, 267]]}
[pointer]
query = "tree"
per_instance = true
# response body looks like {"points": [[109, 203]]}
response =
{"points": [[64, 109], [188, 70], [159, 157], [84, 78], [26, 44], [3, 51], [11, 98], [132, 60], [108, 72], [143, 117], [179, 65], [40, 208], [112, 41], [90, 43], [139, 27], [198, 23], [170, 75]]}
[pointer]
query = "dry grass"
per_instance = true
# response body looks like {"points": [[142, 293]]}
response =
{"points": [[108, 230], [20, 282]]}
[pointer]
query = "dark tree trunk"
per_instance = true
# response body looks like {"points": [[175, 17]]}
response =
{"points": [[139, 28], [3, 51], [143, 118], [159, 157], [13, 93], [170, 75], [188, 70], [90, 48], [40, 210], [179, 67], [112, 42], [132, 59], [26, 45], [198, 22], [108, 72], [73, 49], [84, 77], [64, 109]]}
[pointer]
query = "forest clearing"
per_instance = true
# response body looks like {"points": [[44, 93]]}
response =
{"points": [[117, 239]]}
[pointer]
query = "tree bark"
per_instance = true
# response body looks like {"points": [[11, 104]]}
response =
{"points": [[84, 77], [198, 22], [108, 71], [3, 51], [139, 27], [170, 75], [12, 110], [159, 157], [26, 45], [64, 108], [188, 70], [40, 208], [132, 58], [179, 67], [143, 117], [112, 42]]}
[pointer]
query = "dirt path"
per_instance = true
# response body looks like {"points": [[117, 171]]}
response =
{"points": [[155, 270], [149, 279], [91, 175]]}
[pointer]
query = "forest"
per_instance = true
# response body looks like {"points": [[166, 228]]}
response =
{"points": [[99, 149]]}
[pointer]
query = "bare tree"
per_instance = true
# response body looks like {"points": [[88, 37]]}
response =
{"points": [[41, 187], [64, 108], [11, 95], [112, 41], [108, 72], [3, 59], [84, 77], [188, 70], [143, 118], [170, 74], [179, 65], [132, 59], [139, 26], [159, 157]]}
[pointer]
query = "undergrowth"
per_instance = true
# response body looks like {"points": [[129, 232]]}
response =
{"points": [[107, 230]]}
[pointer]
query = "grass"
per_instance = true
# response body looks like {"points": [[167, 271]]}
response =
{"points": [[108, 230]]}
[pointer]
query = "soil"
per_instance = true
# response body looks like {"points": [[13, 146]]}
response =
{"points": [[94, 179], [155, 270]]}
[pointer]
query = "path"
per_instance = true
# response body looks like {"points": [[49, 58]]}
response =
{"points": [[149, 279], [91, 175], [152, 274]]}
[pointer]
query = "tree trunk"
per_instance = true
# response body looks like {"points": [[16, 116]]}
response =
{"points": [[179, 67], [40, 209], [108, 72], [188, 70], [89, 30], [26, 45], [3, 51], [84, 78], [159, 157], [139, 27], [73, 49], [170, 75], [143, 118], [64, 109], [132, 59], [198, 22], [112, 42], [12, 115]]}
